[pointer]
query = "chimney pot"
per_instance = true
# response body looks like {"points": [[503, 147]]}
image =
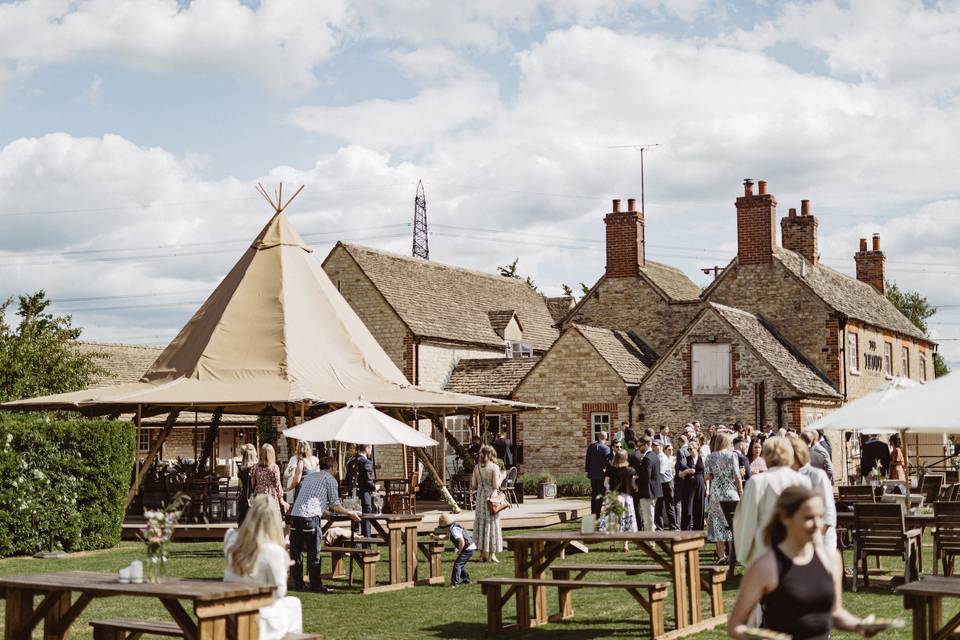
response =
{"points": [[876, 242], [748, 187], [804, 207], [863, 244], [616, 205], [762, 187], [793, 212], [631, 204]]}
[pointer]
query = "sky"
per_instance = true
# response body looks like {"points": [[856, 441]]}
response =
{"points": [[133, 135]]}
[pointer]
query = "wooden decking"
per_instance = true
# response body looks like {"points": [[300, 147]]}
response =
{"points": [[532, 513]]}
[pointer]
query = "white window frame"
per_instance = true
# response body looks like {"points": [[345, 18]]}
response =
{"points": [[853, 352], [718, 356], [518, 349], [459, 426], [905, 361], [923, 367], [144, 437], [600, 421], [888, 359]]}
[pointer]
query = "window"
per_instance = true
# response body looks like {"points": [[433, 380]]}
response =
{"points": [[459, 428], [517, 349], [853, 352], [905, 363], [710, 369], [599, 422], [923, 367], [143, 441], [888, 359]]}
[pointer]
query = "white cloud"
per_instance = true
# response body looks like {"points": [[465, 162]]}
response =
{"points": [[92, 95], [279, 43]]}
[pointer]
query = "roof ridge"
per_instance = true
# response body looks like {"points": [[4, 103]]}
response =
{"points": [[438, 265], [120, 344]]}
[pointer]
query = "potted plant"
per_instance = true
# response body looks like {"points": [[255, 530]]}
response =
{"points": [[546, 486]]}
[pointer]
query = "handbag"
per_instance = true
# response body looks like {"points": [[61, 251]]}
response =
{"points": [[497, 503]]}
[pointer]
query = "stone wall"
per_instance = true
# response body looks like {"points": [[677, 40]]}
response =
{"points": [[666, 396], [437, 361], [630, 303], [368, 303], [573, 377]]}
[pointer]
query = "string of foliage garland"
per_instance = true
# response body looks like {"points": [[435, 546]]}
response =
{"points": [[66, 478]]}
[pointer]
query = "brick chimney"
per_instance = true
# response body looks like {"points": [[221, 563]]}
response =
{"points": [[871, 264], [624, 240], [756, 230], [799, 233]]}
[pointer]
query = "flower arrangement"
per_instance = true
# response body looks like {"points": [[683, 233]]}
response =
{"points": [[613, 510], [878, 473], [158, 532]]}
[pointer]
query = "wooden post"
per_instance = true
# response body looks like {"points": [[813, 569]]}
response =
{"points": [[443, 448], [136, 448], [152, 455], [432, 472], [206, 455]]}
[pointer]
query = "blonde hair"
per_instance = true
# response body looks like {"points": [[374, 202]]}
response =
{"points": [[801, 451], [268, 457], [487, 454], [304, 450], [777, 452], [722, 441], [262, 524], [248, 455]]}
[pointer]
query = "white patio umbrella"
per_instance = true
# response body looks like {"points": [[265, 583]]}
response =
{"points": [[859, 413], [359, 423]]}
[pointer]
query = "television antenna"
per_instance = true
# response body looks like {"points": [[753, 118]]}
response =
{"points": [[641, 147]]}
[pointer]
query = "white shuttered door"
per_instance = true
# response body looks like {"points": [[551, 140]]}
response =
{"points": [[711, 369]]}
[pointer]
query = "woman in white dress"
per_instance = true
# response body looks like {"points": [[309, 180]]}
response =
{"points": [[301, 464], [254, 554], [486, 479]]}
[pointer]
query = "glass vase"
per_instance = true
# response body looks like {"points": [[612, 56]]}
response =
{"points": [[155, 570]]}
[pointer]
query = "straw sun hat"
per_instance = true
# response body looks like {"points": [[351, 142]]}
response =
{"points": [[445, 520]]}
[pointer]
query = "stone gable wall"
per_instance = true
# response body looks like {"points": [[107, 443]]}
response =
{"points": [[437, 361], [666, 396], [573, 377], [630, 303]]}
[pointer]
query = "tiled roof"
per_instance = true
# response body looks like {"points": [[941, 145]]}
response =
{"points": [[120, 362], [777, 354], [619, 351], [560, 306], [672, 281], [499, 320], [849, 296], [490, 377], [440, 301]]}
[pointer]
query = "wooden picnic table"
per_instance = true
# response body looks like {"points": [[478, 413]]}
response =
{"points": [[221, 608], [925, 598], [913, 521], [399, 533], [678, 552]]}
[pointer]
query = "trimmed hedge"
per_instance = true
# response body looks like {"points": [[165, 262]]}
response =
{"points": [[65, 477], [569, 485]]}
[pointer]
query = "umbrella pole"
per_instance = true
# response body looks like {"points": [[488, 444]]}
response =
{"points": [[136, 449], [906, 461]]}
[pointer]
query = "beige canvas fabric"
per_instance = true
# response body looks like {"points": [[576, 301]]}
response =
{"points": [[275, 331]]}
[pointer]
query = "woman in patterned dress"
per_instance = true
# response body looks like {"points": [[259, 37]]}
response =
{"points": [[486, 480], [265, 477], [723, 471]]}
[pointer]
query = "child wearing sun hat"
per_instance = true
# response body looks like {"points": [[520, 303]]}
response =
{"points": [[463, 543]]}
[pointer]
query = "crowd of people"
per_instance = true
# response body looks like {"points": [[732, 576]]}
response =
{"points": [[785, 522]]}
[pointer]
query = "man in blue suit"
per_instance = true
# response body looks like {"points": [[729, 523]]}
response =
{"points": [[360, 477], [598, 458]]}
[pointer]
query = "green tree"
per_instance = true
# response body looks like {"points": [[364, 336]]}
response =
{"points": [[511, 271], [584, 288], [916, 308], [39, 356], [567, 291]]}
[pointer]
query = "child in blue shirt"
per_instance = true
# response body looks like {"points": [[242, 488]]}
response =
{"points": [[463, 543]]}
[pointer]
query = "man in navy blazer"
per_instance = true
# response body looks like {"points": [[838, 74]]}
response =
{"points": [[360, 477], [595, 465], [648, 481]]}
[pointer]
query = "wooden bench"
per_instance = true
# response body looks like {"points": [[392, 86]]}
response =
{"points": [[125, 629], [650, 595], [366, 559], [433, 551], [712, 577]]}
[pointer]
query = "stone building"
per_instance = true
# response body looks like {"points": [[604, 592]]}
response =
{"points": [[654, 300], [729, 365], [591, 375], [120, 363]]}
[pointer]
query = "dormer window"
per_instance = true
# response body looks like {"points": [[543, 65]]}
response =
{"points": [[518, 349]]}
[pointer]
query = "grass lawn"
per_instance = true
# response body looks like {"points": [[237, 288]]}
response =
{"points": [[429, 612]]}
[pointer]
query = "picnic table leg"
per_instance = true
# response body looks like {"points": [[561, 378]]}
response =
{"points": [[55, 617], [19, 609], [539, 591], [565, 595], [248, 626], [410, 542], [680, 593], [212, 629], [934, 616], [521, 566], [396, 538], [693, 584]]}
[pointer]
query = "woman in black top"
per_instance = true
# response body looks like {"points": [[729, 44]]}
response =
{"points": [[620, 477], [797, 582], [693, 487]]}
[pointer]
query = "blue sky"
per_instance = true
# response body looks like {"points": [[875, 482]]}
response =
{"points": [[132, 135]]}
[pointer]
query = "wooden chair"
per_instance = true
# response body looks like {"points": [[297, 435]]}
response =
{"points": [[462, 493], [955, 495], [930, 487], [402, 498], [946, 493], [509, 485], [857, 493], [880, 530], [946, 535]]}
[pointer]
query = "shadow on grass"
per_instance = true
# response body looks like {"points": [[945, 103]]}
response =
{"points": [[475, 630]]}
